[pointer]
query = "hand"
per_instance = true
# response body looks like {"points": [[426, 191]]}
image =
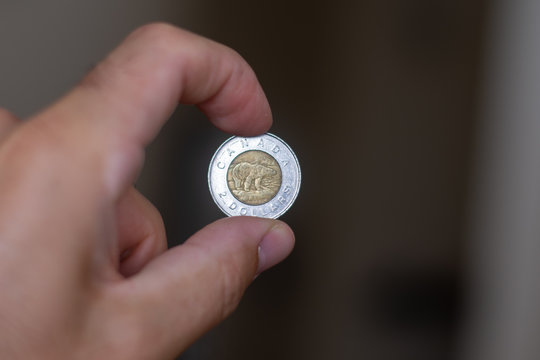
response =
{"points": [[84, 270]]}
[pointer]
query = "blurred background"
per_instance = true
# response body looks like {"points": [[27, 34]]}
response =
{"points": [[416, 125]]}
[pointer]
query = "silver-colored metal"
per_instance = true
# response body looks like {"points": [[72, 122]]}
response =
{"points": [[255, 176]]}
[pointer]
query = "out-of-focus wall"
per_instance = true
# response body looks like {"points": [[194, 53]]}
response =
{"points": [[378, 100], [503, 267]]}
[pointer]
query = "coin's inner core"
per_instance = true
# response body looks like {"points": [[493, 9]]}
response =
{"points": [[254, 177]]}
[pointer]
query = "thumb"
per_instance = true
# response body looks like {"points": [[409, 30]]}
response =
{"points": [[190, 288]]}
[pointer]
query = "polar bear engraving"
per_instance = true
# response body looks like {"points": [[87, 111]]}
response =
{"points": [[246, 174], [254, 177]]}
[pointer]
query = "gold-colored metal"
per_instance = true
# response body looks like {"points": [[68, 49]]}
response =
{"points": [[254, 177]]}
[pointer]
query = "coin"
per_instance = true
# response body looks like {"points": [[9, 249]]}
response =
{"points": [[254, 176]]}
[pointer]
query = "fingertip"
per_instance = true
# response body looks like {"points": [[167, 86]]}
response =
{"points": [[275, 246]]}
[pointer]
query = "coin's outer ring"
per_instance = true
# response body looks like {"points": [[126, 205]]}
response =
{"points": [[275, 147]]}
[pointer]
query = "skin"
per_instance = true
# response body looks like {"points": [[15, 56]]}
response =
{"points": [[84, 269]]}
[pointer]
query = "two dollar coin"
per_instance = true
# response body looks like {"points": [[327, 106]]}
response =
{"points": [[256, 176]]}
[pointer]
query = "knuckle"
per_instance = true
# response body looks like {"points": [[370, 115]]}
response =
{"points": [[159, 39], [159, 34]]}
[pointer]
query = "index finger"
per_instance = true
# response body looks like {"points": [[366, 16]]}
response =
{"points": [[121, 105]]}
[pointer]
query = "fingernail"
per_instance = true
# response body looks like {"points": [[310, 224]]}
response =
{"points": [[275, 246]]}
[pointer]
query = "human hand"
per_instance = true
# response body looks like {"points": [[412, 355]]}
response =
{"points": [[84, 270]]}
